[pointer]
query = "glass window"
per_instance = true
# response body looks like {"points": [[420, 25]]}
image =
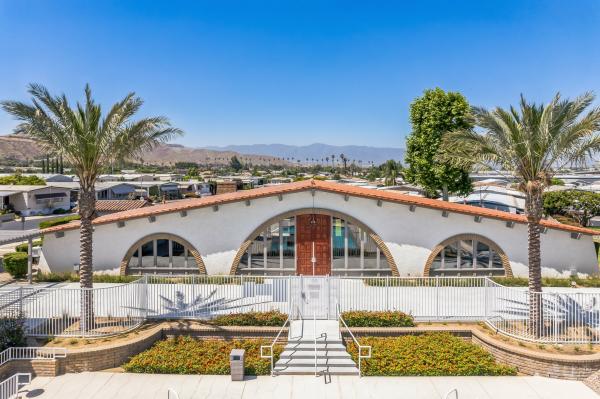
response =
{"points": [[148, 254], [162, 253], [272, 245], [496, 261], [288, 236], [369, 251], [437, 261], [451, 256], [483, 255], [466, 254], [134, 261], [338, 246], [178, 258]]}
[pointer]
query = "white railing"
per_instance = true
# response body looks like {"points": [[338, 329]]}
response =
{"points": [[31, 353], [270, 347], [315, 343], [172, 394], [359, 347], [453, 393], [569, 316], [10, 387]]}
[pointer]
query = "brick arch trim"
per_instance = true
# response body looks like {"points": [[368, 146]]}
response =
{"points": [[162, 236], [438, 248], [317, 211]]}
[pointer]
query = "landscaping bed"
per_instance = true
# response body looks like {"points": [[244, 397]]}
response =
{"points": [[273, 318], [431, 354], [186, 355], [359, 318]]}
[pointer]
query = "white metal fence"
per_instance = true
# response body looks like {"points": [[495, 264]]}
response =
{"points": [[30, 353], [572, 316], [10, 387]]}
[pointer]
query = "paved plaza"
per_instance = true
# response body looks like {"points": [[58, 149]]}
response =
{"points": [[106, 385]]}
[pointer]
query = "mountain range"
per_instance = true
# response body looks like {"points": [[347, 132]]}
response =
{"points": [[319, 152]]}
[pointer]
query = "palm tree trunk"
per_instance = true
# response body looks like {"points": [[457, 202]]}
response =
{"points": [[533, 205], [87, 204]]}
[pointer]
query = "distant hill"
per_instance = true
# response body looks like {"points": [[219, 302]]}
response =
{"points": [[319, 151], [21, 148]]}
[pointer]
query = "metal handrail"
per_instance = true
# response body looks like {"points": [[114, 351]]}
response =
{"points": [[10, 387], [315, 337], [30, 353], [270, 355], [172, 394], [452, 391], [358, 345]]}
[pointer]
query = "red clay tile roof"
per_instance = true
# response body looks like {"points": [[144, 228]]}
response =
{"points": [[119, 205], [342, 189]]}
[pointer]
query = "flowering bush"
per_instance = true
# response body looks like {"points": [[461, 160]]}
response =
{"points": [[273, 318], [186, 355], [434, 354], [377, 319]]}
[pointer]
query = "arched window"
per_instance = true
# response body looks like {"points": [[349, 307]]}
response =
{"points": [[162, 254], [338, 244], [467, 255]]}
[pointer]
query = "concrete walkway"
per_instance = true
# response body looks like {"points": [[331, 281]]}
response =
{"points": [[144, 386]]}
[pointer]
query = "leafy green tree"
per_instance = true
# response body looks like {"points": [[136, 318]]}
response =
{"points": [[89, 142], [391, 171], [20, 180], [581, 205], [531, 141], [432, 116], [235, 164]]}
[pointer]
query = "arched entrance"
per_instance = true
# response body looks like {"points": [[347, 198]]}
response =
{"points": [[314, 242]]}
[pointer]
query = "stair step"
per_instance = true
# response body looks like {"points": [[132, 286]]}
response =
{"points": [[301, 362], [311, 370], [311, 347], [312, 341], [305, 354]]}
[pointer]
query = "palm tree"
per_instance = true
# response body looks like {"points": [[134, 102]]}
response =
{"points": [[531, 142], [88, 142], [391, 171]]}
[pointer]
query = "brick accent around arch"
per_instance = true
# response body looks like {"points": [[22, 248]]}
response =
{"points": [[162, 236], [438, 248], [317, 211]]}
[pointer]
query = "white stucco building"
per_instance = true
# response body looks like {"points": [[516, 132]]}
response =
{"points": [[316, 227]]}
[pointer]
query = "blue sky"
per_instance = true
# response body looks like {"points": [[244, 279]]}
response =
{"points": [[298, 72]]}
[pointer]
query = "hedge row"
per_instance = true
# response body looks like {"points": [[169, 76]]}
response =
{"points": [[273, 318], [592, 282], [186, 355], [377, 319], [434, 354], [58, 221], [24, 247], [74, 277], [15, 263]]}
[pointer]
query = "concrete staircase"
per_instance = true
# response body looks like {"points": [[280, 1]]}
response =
{"points": [[298, 356]]}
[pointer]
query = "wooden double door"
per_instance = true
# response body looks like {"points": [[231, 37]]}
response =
{"points": [[313, 238]]}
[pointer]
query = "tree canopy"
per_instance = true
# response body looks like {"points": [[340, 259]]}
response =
{"points": [[432, 116], [580, 205], [20, 180]]}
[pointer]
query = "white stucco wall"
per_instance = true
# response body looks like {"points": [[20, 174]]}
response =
{"points": [[410, 236]]}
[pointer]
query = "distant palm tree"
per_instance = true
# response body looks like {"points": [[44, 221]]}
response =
{"points": [[391, 171], [89, 143], [531, 142]]}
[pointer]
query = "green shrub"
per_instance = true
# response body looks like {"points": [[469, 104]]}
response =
{"points": [[186, 355], [590, 282], [74, 277], [12, 331], [60, 211], [20, 180], [58, 221], [15, 263], [23, 247], [273, 318], [377, 319], [434, 354]]}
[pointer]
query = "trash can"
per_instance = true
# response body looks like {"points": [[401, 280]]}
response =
{"points": [[236, 362]]}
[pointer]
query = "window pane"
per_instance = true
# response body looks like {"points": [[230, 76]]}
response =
{"points": [[466, 254], [191, 261], [288, 236], [257, 252], [272, 244], [437, 262], [134, 260], [162, 253], [353, 246], [369, 251], [178, 254], [337, 242], [483, 255], [496, 261], [451, 256], [148, 254]]}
